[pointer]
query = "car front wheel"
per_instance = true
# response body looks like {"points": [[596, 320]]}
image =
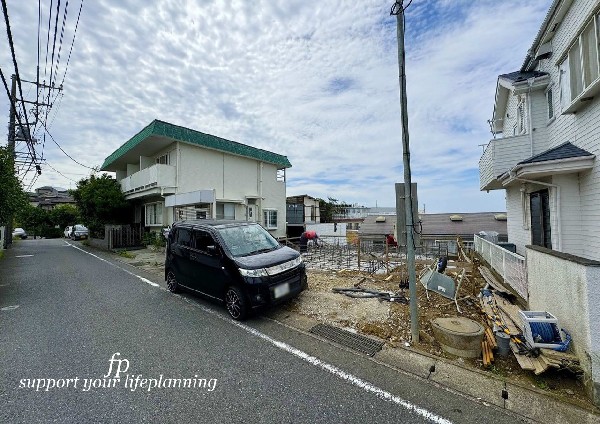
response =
{"points": [[236, 303], [172, 284]]}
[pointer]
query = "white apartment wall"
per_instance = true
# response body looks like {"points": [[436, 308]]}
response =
{"points": [[233, 178]]}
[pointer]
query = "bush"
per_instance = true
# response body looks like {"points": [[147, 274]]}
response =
{"points": [[153, 239]]}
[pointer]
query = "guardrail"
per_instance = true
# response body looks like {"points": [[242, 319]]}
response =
{"points": [[510, 266]]}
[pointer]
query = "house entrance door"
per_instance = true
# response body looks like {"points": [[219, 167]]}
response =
{"points": [[539, 203]]}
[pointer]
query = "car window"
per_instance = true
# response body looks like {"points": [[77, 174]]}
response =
{"points": [[184, 237], [202, 240], [245, 240]]}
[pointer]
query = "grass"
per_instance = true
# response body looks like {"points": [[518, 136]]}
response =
{"points": [[541, 384], [1, 254], [126, 254]]}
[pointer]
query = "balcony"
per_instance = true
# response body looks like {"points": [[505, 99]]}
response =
{"points": [[500, 156], [149, 181]]}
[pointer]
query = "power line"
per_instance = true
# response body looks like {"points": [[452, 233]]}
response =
{"points": [[60, 43], [53, 47], [14, 58], [68, 155], [72, 42]]}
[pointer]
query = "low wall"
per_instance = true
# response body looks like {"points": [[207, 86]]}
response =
{"points": [[568, 287], [98, 243]]}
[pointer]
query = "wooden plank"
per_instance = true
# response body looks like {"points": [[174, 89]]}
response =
{"points": [[524, 361], [559, 356], [540, 365], [491, 280]]}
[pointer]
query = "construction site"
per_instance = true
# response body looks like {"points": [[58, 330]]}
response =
{"points": [[361, 285]]}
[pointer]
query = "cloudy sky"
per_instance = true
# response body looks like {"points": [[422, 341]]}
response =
{"points": [[315, 80]]}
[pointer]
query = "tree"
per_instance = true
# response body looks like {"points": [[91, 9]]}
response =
{"points": [[12, 196], [64, 215], [35, 220], [100, 201], [329, 208]]}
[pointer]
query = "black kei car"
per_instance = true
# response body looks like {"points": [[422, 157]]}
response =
{"points": [[236, 263]]}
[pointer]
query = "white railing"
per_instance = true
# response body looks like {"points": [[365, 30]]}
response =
{"points": [[509, 265]]}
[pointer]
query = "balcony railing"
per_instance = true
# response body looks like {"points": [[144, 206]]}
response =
{"points": [[500, 156], [510, 266], [152, 177]]}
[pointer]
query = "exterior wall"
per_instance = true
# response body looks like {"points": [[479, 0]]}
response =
{"points": [[233, 178], [309, 204], [582, 129], [570, 215], [567, 287], [518, 231]]}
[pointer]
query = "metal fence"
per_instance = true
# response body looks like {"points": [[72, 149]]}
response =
{"points": [[509, 265], [123, 236]]}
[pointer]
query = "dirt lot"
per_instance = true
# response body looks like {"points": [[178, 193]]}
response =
{"points": [[390, 321]]}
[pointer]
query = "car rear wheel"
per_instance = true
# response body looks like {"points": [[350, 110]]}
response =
{"points": [[236, 303], [172, 283]]}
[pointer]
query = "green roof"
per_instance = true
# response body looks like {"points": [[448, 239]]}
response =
{"points": [[177, 133]]}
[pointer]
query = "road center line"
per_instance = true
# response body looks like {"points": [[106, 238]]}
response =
{"points": [[366, 386], [145, 280]]}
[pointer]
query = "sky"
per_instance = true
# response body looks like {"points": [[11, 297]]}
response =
{"points": [[314, 80]]}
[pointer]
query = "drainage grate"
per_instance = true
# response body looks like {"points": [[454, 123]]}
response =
{"points": [[345, 338]]}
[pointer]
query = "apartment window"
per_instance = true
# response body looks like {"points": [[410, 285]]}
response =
{"points": [[225, 211], [549, 101], [154, 214], [270, 219], [164, 159], [581, 67]]}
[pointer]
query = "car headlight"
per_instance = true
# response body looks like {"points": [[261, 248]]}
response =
{"points": [[296, 262], [260, 272]]}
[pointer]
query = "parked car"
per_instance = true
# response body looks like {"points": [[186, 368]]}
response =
{"points": [[67, 231], [79, 232], [19, 232], [236, 263]]}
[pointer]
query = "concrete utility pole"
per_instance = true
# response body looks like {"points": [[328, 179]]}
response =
{"points": [[11, 149], [398, 10]]}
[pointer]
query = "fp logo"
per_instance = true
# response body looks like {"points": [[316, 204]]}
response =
{"points": [[119, 363]]}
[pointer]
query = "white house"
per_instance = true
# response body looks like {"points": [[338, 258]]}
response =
{"points": [[546, 128], [301, 210], [172, 173]]}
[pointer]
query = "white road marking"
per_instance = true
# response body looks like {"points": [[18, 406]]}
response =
{"points": [[145, 280], [9, 308], [23, 256], [366, 386]]}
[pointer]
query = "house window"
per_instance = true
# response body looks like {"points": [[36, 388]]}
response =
{"points": [[520, 118], [270, 219], [550, 104], [541, 234], [581, 67], [154, 214]]}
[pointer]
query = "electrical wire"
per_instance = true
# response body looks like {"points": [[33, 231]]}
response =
{"points": [[60, 42], [53, 47], [27, 134], [62, 150], [72, 42], [58, 172]]}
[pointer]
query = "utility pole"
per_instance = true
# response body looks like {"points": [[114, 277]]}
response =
{"points": [[398, 10], [11, 149]]}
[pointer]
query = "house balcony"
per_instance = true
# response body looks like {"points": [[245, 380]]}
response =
{"points": [[501, 155], [156, 179]]}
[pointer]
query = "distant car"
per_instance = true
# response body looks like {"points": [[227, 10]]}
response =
{"points": [[67, 231], [79, 232], [19, 232]]}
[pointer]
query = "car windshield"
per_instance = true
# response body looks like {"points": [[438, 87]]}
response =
{"points": [[245, 240], [80, 228]]}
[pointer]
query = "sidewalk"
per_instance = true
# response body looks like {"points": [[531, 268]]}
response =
{"points": [[533, 403]]}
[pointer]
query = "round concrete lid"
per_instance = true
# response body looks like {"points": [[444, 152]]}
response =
{"points": [[458, 326]]}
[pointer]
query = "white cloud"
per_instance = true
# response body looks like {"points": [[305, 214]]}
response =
{"points": [[314, 80]]}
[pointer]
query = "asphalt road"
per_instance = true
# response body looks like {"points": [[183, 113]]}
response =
{"points": [[71, 319]]}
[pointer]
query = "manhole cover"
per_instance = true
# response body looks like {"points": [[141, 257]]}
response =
{"points": [[345, 338]]}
